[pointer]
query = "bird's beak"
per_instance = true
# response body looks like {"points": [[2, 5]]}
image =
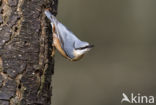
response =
{"points": [[90, 46]]}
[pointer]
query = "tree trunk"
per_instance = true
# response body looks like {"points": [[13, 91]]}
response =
{"points": [[26, 65]]}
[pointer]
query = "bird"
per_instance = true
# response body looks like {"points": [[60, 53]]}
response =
{"points": [[67, 43]]}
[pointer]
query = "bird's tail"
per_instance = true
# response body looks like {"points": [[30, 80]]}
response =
{"points": [[50, 16]]}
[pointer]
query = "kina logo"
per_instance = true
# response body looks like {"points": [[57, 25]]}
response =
{"points": [[137, 98]]}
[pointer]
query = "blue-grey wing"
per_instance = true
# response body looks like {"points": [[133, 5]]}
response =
{"points": [[68, 39]]}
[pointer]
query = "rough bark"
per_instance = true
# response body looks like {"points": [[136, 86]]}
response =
{"points": [[26, 65]]}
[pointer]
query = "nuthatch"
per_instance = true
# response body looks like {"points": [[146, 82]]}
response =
{"points": [[65, 41]]}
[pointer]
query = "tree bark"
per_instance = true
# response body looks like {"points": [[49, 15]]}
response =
{"points": [[26, 65]]}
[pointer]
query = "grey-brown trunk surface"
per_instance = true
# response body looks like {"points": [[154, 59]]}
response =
{"points": [[26, 65]]}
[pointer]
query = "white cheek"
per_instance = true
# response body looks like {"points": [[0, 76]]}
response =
{"points": [[77, 52]]}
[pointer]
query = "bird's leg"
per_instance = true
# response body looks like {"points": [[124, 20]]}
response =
{"points": [[53, 51]]}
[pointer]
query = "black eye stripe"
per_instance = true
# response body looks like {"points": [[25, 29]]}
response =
{"points": [[81, 48]]}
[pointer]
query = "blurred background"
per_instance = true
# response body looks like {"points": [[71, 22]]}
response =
{"points": [[123, 59]]}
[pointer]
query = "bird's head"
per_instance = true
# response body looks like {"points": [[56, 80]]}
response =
{"points": [[81, 49]]}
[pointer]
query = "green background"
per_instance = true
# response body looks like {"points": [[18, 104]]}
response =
{"points": [[124, 56]]}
